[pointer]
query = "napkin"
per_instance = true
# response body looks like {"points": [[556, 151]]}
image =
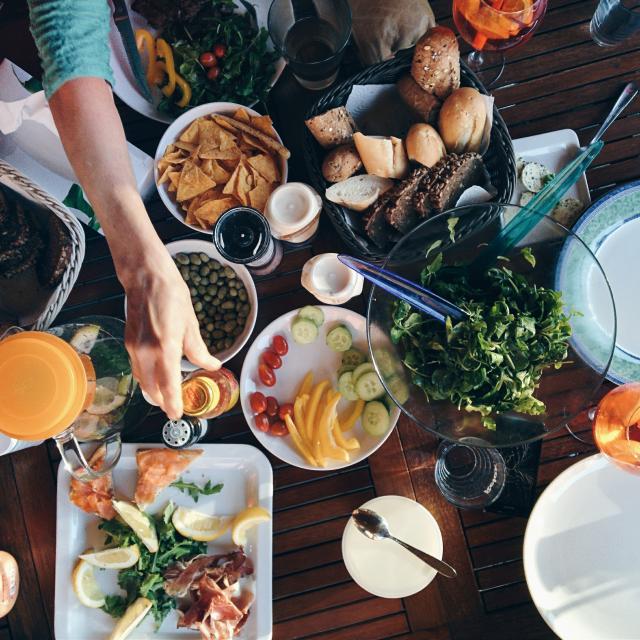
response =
{"points": [[30, 143]]}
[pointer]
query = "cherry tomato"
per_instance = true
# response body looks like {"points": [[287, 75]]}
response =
{"points": [[208, 59], [272, 359], [266, 375], [285, 410], [279, 345], [220, 50], [213, 73], [272, 406], [262, 422], [278, 429], [258, 402]]}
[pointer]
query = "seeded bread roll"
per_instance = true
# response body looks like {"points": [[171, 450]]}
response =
{"points": [[332, 128], [436, 62], [426, 105], [341, 163]]}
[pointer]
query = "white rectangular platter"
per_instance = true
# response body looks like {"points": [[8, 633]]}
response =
{"points": [[248, 481]]}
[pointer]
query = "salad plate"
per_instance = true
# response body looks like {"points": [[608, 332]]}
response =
{"points": [[581, 557], [300, 359], [248, 481], [126, 87]]}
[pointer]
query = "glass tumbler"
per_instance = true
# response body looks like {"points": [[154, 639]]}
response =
{"points": [[614, 21]]}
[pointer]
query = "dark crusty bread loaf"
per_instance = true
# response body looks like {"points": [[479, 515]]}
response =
{"points": [[332, 127], [436, 62], [57, 252], [399, 211], [426, 105]]}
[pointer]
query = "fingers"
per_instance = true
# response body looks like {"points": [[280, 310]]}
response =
{"points": [[196, 351], [169, 379]]}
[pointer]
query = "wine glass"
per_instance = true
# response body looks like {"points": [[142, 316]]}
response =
{"points": [[470, 470], [495, 25]]}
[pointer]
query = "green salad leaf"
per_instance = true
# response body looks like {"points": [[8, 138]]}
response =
{"points": [[195, 491], [491, 361]]}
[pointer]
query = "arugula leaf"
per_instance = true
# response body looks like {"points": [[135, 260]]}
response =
{"points": [[115, 606], [527, 254], [451, 224], [195, 491]]}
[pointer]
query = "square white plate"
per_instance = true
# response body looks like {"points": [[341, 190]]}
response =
{"points": [[248, 481]]}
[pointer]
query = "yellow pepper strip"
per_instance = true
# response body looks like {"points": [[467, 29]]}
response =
{"points": [[314, 399], [185, 88], [347, 422], [297, 440], [163, 50], [323, 441], [144, 40], [351, 444], [299, 405], [307, 383]]}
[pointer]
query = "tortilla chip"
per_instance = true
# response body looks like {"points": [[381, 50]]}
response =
{"points": [[190, 134], [242, 115], [255, 144], [187, 146], [217, 173], [193, 182], [245, 183], [174, 176], [259, 195], [164, 176], [213, 152], [269, 142], [264, 124], [266, 166], [230, 187], [210, 211]]}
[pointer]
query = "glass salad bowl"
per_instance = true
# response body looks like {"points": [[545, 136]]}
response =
{"points": [[529, 358]]}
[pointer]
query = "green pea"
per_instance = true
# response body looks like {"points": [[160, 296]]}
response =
{"points": [[242, 294], [229, 272], [212, 290], [204, 271], [193, 292], [201, 315], [227, 305], [204, 257], [233, 283], [194, 258], [210, 326], [198, 306], [213, 277], [233, 293], [182, 258], [222, 292], [216, 265], [207, 298], [184, 272], [216, 302], [202, 289]]}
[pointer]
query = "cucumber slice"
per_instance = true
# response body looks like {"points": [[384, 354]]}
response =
{"points": [[344, 368], [387, 364], [361, 369], [398, 387], [84, 339], [368, 386], [375, 418], [303, 330], [312, 313], [339, 339], [353, 357], [346, 388]]}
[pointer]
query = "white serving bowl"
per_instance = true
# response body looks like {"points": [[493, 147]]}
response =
{"points": [[202, 246], [171, 135]]}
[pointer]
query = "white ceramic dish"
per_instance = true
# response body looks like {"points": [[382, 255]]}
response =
{"points": [[383, 567], [581, 554], [204, 246], [248, 480], [172, 134], [126, 87], [300, 359]]}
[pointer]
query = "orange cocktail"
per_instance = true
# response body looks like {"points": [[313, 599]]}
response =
{"points": [[495, 25]]}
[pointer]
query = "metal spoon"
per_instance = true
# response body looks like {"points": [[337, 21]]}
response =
{"points": [[375, 527]]}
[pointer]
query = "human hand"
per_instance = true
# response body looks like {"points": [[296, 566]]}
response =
{"points": [[161, 327]]}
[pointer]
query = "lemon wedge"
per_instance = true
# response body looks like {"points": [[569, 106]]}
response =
{"points": [[246, 520], [120, 558], [200, 526], [139, 523], [86, 587], [131, 619]]}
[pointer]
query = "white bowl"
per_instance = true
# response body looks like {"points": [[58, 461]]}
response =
{"points": [[171, 135], [202, 246]]}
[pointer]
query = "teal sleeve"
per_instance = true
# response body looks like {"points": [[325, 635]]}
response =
{"points": [[72, 37]]}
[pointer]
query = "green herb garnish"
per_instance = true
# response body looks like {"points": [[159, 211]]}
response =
{"points": [[146, 577], [195, 491], [492, 361]]}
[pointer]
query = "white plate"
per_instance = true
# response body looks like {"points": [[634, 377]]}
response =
{"points": [[300, 359], [172, 134], [248, 481], [204, 246], [383, 567], [126, 87], [581, 553]]}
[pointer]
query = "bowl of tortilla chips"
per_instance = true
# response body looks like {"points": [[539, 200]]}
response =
{"points": [[217, 156]]}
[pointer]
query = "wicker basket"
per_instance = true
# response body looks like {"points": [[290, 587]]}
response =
{"points": [[499, 158], [13, 179]]}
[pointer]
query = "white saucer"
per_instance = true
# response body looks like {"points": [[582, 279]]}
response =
{"points": [[581, 553], [383, 567]]}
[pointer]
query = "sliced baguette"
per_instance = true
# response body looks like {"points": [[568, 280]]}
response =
{"points": [[358, 192]]}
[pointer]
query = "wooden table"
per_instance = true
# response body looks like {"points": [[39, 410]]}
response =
{"points": [[560, 79]]}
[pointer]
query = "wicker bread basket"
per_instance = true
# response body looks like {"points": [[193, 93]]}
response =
{"points": [[499, 158], [13, 179]]}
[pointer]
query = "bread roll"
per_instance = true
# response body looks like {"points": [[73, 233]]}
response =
{"points": [[462, 121], [341, 163], [424, 145], [426, 105], [358, 192], [436, 62], [384, 157], [332, 128]]}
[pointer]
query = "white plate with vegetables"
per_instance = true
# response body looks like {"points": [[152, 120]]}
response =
{"points": [[309, 392]]}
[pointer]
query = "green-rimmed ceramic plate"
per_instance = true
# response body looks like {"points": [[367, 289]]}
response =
{"points": [[611, 229]]}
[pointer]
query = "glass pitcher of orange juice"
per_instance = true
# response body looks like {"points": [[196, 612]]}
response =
{"points": [[72, 383]]}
